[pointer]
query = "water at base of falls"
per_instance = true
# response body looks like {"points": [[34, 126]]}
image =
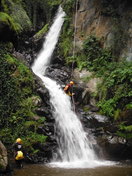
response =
{"points": [[42, 170], [81, 164], [74, 148]]}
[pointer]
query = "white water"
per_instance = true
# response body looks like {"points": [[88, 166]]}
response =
{"points": [[75, 150]]}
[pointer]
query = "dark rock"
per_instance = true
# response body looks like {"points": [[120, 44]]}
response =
{"points": [[108, 144], [115, 147], [42, 111], [58, 73]]}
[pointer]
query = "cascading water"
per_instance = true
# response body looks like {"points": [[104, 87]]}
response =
{"points": [[74, 146]]}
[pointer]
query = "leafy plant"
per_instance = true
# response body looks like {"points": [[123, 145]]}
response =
{"points": [[68, 6], [65, 44], [125, 131], [7, 20], [41, 33], [17, 106]]}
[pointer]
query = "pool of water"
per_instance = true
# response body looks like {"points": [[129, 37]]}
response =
{"points": [[43, 170]]}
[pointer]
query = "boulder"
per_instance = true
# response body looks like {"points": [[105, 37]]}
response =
{"points": [[58, 73], [3, 158], [108, 144]]}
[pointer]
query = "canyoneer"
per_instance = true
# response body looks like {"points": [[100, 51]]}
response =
{"points": [[18, 153], [69, 89]]}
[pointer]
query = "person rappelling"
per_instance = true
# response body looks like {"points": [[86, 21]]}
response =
{"points": [[69, 88]]}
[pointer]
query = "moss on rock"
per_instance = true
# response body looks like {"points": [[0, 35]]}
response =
{"points": [[7, 21], [41, 33], [18, 14]]}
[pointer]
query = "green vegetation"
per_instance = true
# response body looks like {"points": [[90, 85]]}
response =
{"points": [[66, 38], [65, 44], [54, 3], [125, 131], [69, 7], [41, 33], [115, 89], [16, 11], [5, 19], [17, 105], [32, 13]]}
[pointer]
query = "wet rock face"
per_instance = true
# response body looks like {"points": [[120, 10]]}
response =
{"points": [[107, 144], [3, 158], [114, 147], [106, 20], [59, 73]]}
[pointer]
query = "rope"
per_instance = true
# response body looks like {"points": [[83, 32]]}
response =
{"points": [[74, 46], [75, 30]]}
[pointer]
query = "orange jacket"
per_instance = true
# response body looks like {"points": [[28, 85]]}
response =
{"points": [[68, 90]]}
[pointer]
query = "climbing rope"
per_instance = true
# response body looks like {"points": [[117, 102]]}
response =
{"points": [[74, 45], [75, 30]]}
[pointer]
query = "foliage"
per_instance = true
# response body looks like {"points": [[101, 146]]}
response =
{"points": [[8, 98], [34, 124], [129, 106], [107, 107], [16, 85], [54, 3], [31, 139], [65, 44], [115, 88], [66, 38], [126, 128], [15, 10], [7, 20], [91, 48], [93, 57], [42, 32], [27, 130], [69, 6], [17, 107], [118, 86], [125, 131]]}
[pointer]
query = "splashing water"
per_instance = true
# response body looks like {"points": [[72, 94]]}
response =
{"points": [[74, 148]]}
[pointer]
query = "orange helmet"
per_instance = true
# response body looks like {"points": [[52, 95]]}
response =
{"points": [[19, 140], [71, 82]]}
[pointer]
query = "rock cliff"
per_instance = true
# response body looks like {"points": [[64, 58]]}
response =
{"points": [[111, 21]]}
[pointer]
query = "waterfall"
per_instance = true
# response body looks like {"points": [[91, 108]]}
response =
{"points": [[44, 57], [74, 146]]}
